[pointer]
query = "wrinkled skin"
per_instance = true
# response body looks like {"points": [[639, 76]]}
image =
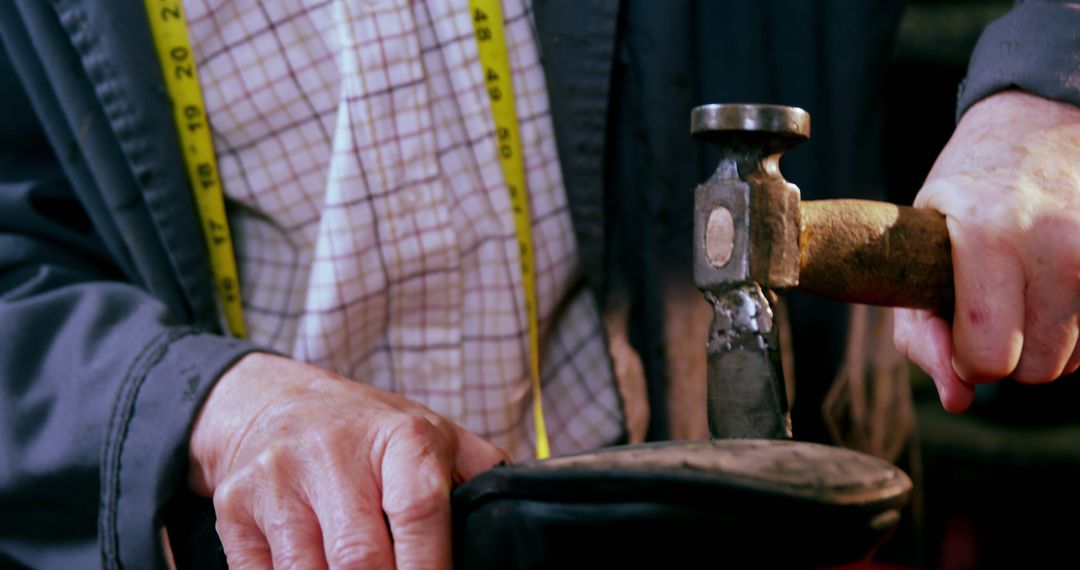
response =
{"points": [[310, 470], [1008, 183]]}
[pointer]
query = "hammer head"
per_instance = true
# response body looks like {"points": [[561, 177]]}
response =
{"points": [[746, 217], [746, 242]]}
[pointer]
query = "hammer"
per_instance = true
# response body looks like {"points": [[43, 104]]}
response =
{"points": [[754, 238]]}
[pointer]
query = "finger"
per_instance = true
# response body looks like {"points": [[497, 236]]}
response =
{"points": [[475, 455], [1074, 360], [244, 544], [289, 525], [348, 506], [472, 454], [926, 340], [416, 471], [988, 324], [282, 511], [245, 547], [1050, 332]]}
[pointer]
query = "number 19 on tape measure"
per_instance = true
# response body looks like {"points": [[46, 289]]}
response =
{"points": [[170, 33]]}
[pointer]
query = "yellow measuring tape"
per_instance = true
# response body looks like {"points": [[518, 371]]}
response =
{"points": [[169, 29], [494, 58]]}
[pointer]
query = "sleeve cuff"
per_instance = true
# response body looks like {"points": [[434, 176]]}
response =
{"points": [[1035, 47], [145, 456]]}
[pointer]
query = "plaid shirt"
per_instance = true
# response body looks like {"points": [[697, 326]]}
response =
{"points": [[372, 221]]}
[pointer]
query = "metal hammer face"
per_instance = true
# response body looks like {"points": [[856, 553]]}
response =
{"points": [[746, 238], [746, 217]]}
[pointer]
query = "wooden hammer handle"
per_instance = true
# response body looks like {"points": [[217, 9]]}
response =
{"points": [[876, 253]]}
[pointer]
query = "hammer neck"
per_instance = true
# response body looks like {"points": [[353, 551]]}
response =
{"points": [[748, 164]]}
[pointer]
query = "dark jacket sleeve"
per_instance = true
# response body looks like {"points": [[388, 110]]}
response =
{"points": [[1034, 47], [100, 381]]}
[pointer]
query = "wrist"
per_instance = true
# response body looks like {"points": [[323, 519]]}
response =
{"points": [[1022, 111], [220, 424]]}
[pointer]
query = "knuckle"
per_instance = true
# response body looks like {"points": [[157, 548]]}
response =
{"points": [[424, 446], [417, 427], [291, 556], [228, 499], [441, 424], [418, 435], [984, 364], [1045, 354], [355, 551], [415, 444], [1028, 372], [419, 507], [279, 461], [271, 458], [278, 519]]}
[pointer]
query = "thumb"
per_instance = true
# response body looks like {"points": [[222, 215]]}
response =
{"points": [[926, 339]]}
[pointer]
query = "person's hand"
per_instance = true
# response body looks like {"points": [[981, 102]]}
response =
{"points": [[310, 470], [1008, 183]]}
